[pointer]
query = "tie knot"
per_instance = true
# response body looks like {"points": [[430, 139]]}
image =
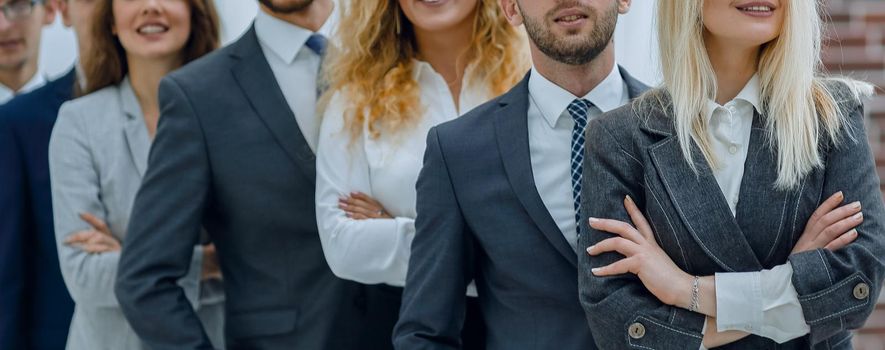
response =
{"points": [[317, 43], [579, 109]]}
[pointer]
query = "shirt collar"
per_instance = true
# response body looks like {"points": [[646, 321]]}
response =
{"points": [[36, 81], [552, 100], [749, 94], [284, 39]]}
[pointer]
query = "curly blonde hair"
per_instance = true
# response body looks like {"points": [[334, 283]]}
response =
{"points": [[373, 64]]}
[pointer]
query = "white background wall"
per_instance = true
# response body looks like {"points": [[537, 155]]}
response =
{"points": [[635, 43]]}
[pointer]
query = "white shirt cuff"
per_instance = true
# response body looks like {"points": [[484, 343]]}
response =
{"points": [[738, 301], [763, 303]]}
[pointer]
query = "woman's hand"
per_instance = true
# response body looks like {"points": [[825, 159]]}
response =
{"points": [[96, 240], [359, 206], [642, 257], [830, 227], [211, 268]]}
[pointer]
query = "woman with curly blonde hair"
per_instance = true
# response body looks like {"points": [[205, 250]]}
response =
{"points": [[401, 67]]}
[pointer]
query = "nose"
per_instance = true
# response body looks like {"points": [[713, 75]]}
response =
{"points": [[151, 7], [4, 23]]}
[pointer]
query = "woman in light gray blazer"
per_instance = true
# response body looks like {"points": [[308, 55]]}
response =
{"points": [[98, 153]]}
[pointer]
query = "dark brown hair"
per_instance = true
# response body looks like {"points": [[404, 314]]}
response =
{"points": [[105, 65]]}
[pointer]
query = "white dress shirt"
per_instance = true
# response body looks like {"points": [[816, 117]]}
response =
{"points": [[385, 168], [7, 94], [295, 68], [550, 140], [763, 303]]}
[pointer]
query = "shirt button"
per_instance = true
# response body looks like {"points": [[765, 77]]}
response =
{"points": [[861, 291], [732, 149], [636, 330]]}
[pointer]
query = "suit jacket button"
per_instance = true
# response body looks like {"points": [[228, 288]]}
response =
{"points": [[636, 330], [861, 291]]}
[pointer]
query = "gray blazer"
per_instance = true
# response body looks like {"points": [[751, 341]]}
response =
{"points": [[97, 156], [634, 151], [480, 218], [229, 156]]}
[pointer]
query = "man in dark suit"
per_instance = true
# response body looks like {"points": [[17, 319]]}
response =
{"points": [[499, 191], [234, 155], [35, 307]]}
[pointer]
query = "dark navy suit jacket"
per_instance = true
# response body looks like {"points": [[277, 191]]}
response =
{"points": [[230, 158], [35, 308], [480, 218]]}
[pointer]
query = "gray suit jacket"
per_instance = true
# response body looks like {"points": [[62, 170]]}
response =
{"points": [[480, 217], [634, 151], [97, 156], [229, 156]]}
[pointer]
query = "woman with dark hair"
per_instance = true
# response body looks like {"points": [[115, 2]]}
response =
{"points": [[98, 153]]}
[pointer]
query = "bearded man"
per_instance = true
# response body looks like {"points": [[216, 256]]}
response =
{"points": [[500, 189], [234, 157]]}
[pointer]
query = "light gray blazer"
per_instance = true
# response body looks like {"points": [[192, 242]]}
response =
{"points": [[97, 157]]}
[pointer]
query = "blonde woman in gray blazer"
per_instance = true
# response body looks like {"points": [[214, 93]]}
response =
{"points": [[98, 154]]}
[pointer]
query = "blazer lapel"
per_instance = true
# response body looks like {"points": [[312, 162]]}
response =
{"points": [[134, 128], [763, 229], [511, 130], [260, 86], [699, 200], [634, 86]]}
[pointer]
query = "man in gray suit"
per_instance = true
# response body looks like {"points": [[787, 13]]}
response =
{"points": [[234, 155], [499, 191]]}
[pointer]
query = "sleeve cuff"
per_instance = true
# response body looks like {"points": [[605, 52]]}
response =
{"points": [[190, 283], [738, 301]]}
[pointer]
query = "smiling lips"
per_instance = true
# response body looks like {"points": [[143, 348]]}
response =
{"points": [[757, 9], [152, 28]]}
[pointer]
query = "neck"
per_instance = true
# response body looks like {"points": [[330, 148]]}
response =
{"points": [[579, 80], [311, 18], [734, 66], [16, 78], [446, 51], [145, 76]]}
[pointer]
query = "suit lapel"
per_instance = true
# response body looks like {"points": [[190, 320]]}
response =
{"points": [[699, 200], [763, 228], [634, 86], [134, 128], [511, 131], [259, 85]]}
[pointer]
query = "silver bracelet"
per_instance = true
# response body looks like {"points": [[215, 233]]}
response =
{"points": [[695, 290]]}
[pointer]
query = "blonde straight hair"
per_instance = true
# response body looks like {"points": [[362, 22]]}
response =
{"points": [[798, 106]]}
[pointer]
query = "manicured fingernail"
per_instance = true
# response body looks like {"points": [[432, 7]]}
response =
{"points": [[590, 249], [596, 270], [858, 216], [856, 205], [593, 220], [853, 232], [840, 194], [627, 198]]}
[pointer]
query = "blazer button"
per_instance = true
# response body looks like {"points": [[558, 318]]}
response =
{"points": [[636, 330], [861, 291]]}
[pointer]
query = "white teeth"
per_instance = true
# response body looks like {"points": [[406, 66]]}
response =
{"points": [[757, 8], [571, 18], [152, 29]]}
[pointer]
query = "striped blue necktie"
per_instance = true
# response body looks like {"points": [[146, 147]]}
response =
{"points": [[578, 109]]}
